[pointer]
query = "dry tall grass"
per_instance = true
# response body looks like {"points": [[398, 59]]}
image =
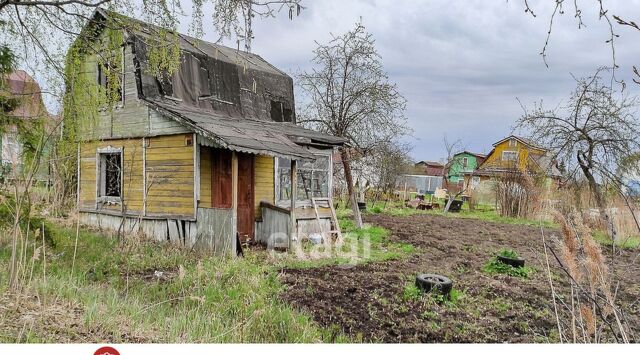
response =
{"points": [[589, 303]]}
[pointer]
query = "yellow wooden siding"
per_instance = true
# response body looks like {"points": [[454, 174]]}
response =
{"points": [[495, 158], [205, 177], [169, 163], [132, 174], [170, 175], [264, 189]]}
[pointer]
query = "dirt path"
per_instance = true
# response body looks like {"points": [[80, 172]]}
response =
{"points": [[367, 301]]}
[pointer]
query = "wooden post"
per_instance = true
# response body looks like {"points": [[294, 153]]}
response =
{"points": [[294, 196], [144, 177], [405, 189], [234, 201]]}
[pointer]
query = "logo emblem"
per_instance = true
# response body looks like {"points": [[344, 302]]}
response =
{"points": [[106, 350]]}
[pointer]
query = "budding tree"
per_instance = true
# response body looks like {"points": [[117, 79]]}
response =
{"points": [[348, 94], [592, 134]]}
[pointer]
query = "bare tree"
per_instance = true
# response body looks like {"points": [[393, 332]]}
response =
{"points": [[593, 133], [388, 163], [348, 94], [452, 149], [575, 8]]}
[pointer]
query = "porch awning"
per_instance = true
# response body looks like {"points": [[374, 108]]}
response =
{"points": [[247, 135]]}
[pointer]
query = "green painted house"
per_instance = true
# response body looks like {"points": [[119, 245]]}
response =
{"points": [[461, 163]]}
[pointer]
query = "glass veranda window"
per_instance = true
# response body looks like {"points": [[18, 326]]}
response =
{"points": [[313, 179]]}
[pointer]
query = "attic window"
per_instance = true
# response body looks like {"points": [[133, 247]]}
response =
{"points": [[165, 84], [281, 112], [513, 143], [509, 155], [104, 82]]}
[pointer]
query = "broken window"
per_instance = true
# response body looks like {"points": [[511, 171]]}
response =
{"points": [[313, 178], [110, 77], [281, 112], [110, 175]]}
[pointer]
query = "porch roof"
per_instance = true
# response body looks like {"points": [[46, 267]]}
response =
{"points": [[247, 135]]}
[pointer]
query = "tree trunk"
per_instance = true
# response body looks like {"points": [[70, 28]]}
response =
{"points": [[346, 164], [600, 202]]}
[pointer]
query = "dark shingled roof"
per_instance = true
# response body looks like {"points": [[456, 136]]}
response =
{"points": [[225, 95], [247, 135]]}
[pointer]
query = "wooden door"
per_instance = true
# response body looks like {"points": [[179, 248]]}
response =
{"points": [[246, 211], [221, 180]]}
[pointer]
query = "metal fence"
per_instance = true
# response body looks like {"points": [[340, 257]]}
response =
{"points": [[422, 184]]}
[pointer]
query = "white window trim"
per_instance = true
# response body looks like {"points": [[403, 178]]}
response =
{"points": [[513, 142], [302, 203], [108, 199], [514, 152]]}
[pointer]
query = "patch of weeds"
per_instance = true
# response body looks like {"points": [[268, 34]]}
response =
{"points": [[411, 292], [376, 209], [435, 326], [462, 269], [628, 242], [500, 305], [429, 315], [494, 266], [508, 253], [469, 248]]}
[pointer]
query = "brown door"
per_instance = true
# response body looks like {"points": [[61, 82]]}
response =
{"points": [[246, 212], [221, 183]]}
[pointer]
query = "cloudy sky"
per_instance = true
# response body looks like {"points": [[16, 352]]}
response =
{"points": [[461, 65]]}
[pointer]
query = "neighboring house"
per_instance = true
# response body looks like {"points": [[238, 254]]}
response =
{"points": [[203, 155], [22, 95], [425, 178], [463, 163], [514, 154], [430, 168]]}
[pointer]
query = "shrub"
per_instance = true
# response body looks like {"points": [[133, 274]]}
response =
{"points": [[508, 253], [494, 266]]}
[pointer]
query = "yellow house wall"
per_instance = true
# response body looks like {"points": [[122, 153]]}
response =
{"points": [[264, 181], [169, 176], [205, 178], [495, 159]]}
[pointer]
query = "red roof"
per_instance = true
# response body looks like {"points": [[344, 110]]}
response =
{"points": [[21, 85]]}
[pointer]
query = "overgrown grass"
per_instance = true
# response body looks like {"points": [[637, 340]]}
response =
{"points": [[495, 266], [368, 244], [397, 209], [196, 298], [411, 292], [628, 242]]}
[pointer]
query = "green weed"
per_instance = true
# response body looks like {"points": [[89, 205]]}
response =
{"points": [[494, 266]]}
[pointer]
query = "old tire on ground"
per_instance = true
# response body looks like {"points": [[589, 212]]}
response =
{"points": [[515, 262], [437, 283]]}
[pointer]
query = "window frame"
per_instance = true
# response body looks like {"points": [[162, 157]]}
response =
{"points": [[303, 202], [513, 142], [100, 198], [465, 162], [120, 103], [509, 152]]}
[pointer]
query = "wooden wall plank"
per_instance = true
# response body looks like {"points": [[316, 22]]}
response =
{"points": [[264, 182]]}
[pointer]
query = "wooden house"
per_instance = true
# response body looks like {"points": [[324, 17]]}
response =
{"points": [[21, 109], [203, 155], [461, 163], [514, 153]]}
